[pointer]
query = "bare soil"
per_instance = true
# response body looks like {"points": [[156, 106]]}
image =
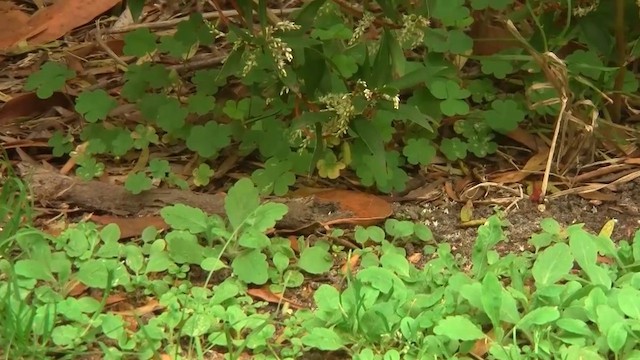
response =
{"points": [[524, 218]]}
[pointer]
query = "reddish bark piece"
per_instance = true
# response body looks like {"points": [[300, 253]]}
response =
{"points": [[367, 209], [130, 227], [29, 104], [267, 295]]}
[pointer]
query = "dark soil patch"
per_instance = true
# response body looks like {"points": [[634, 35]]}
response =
{"points": [[524, 218]]}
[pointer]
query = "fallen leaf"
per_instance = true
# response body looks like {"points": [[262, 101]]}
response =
{"points": [[29, 105], [350, 264], [466, 213], [55, 21], [481, 347], [367, 209], [130, 227], [415, 258], [264, 293], [535, 163]]}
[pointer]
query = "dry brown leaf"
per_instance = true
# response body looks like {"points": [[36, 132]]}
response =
{"points": [[350, 264], [130, 227], [55, 21], [29, 104], [367, 209], [535, 163], [264, 293]]}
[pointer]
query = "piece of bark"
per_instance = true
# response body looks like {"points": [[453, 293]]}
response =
{"points": [[51, 188]]}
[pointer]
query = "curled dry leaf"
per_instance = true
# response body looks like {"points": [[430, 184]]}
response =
{"points": [[366, 209], [264, 293]]}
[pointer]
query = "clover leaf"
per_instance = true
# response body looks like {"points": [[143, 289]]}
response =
{"points": [[504, 116], [276, 177], [419, 151], [95, 105], [51, 77], [207, 140], [454, 148], [451, 94]]}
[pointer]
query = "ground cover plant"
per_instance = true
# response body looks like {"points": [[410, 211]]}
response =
{"points": [[166, 164]]}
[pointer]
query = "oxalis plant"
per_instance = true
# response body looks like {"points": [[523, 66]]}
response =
{"points": [[330, 93], [573, 297]]}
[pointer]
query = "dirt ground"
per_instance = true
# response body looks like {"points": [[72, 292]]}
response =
{"points": [[524, 218]]}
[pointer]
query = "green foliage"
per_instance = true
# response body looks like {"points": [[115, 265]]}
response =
{"points": [[51, 77], [559, 300], [325, 82]]}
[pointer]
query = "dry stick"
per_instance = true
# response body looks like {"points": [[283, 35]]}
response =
{"points": [[107, 49], [173, 22], [552, 149], [558, 83]]}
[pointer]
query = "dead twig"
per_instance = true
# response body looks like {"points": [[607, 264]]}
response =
{"points": [[208, 15]]}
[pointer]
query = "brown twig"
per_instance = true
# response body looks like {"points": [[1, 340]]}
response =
{"points": [[173, 22]]}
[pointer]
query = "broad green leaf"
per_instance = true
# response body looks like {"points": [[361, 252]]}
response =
{"points": [[491, 298], [183, 217], [583, 248], [617, 337], [575, 326], [382, 66], [458, 328], [540, 316], [241, 201], [315, 260], [629, 302], [552, 264], [489, 234], [183, 247], [251, 267], [323, 339], [607, 317]]}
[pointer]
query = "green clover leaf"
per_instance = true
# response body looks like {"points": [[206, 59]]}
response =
{"points": [[171, 115], [202, 175], [159, 168], [61, 144], [139, 43], [453, 41], [499, 68], [200, 104], [207, 140], [276, 177], [504, 116], [137, 183], [51, 77], [89, 168], [481, 145], [451, 94], [206, 81], [95, 105], [454, 149], [122, 142], [329, 166], [450, 11], [143, 136], [419, 151]]}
